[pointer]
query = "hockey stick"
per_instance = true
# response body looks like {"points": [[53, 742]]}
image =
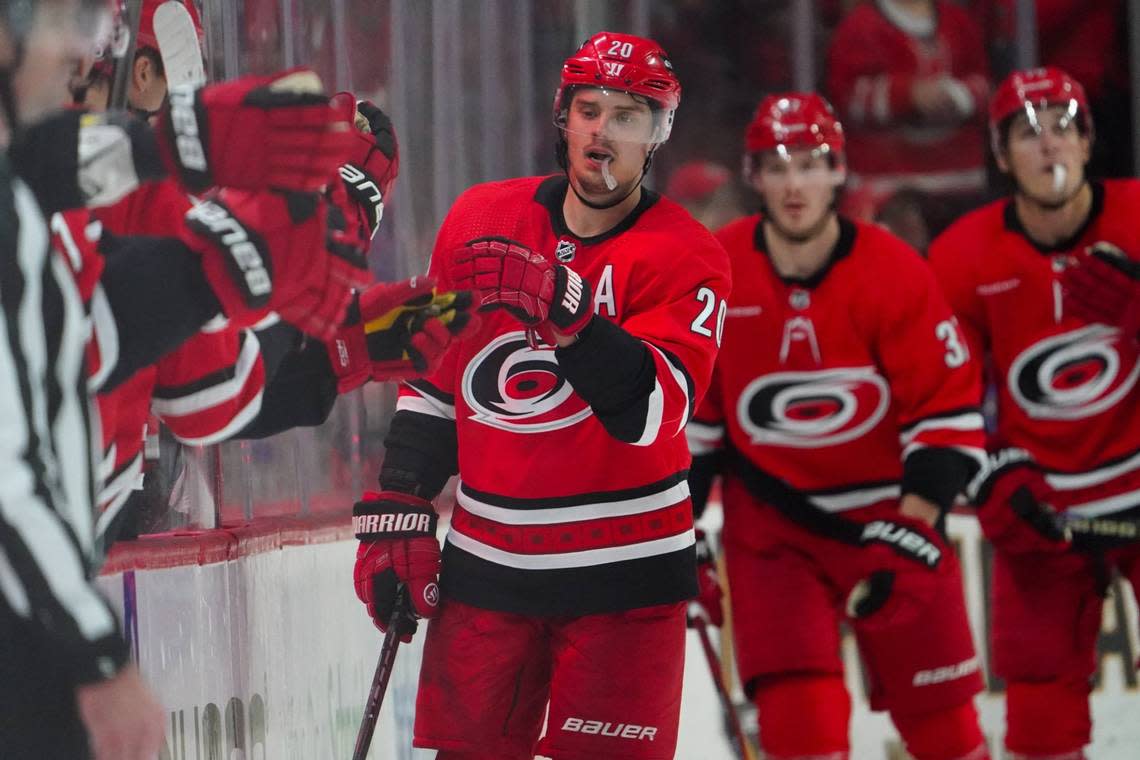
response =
{"points": [[743, 749], [123, 52], [1099, 533], [178, 45], [383, 673]]}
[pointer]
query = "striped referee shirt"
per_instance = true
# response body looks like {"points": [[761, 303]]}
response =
{"points": [[46, 473]]}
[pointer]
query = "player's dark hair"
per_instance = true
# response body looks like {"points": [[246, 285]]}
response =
{"points": [[155, 60]]}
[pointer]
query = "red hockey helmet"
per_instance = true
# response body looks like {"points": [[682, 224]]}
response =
{"points": [[794, 120], [1028, 90], [623, 63]]}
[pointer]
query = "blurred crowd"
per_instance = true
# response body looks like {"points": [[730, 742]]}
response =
{"points": [[910, 80]]}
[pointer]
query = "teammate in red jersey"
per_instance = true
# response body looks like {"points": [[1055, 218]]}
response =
{"points": [[571, 549], [843, 418], [1032, 281], [214, 385]]}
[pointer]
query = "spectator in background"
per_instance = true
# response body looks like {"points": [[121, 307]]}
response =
{"points": [[706, 191], [1089, 40], [909, 78]]}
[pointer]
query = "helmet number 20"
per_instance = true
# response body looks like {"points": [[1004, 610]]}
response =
{"points": [[956, 352], [620, 49], [700, 324]]}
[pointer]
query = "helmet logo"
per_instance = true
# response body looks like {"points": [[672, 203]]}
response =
{"points": [[613, 69], [565, 251]]}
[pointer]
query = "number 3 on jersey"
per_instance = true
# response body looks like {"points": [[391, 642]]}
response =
{"points": [[700, 325], [956, 352]]}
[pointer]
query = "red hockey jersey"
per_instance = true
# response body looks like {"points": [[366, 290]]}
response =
{"points": [[206, 390], [832, 383], [1067, 389], [873, 63], [554, 515]]}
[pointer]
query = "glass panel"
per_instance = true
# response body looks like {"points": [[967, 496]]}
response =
{"points": [[458, 76]]}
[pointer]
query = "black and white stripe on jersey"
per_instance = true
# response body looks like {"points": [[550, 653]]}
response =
{"points": [[217, 387], [428, 400], [963, 418], [676, 481]]}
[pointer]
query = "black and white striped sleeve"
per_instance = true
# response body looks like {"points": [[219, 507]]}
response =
{"points": [[46, 508]]}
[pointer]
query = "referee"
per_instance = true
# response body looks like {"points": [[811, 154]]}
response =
{"points": [[66, 687]]}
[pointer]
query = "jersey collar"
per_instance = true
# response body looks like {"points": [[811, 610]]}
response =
{"points": [[1013, 223], [551, 193], [843, 247]]}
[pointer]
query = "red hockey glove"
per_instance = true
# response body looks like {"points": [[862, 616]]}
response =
{"points": [[1104, 286], [891, 546], [318, 302], [544, 296], [374, 164], [709, 592], [270, 251], [254, 133], [398, 330], [397, 546], [1013, 506]]}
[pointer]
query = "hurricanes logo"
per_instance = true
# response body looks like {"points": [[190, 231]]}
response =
{"points": [[1073, 375], [510, 386], [813, 409]]}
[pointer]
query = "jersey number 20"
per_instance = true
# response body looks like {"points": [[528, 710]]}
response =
{"points": [[700, 324]]}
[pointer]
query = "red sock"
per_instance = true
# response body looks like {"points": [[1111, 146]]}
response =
{"points": [[948, 734], [1048, 718], [804, 716]]}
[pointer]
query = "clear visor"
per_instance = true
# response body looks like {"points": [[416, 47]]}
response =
{"points": [[801, 166], [614, 116]]}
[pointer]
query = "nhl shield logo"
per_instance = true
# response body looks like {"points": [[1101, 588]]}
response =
{"points": [[565, 251]]}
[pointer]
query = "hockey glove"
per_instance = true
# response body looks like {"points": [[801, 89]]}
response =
{"points": [[398, 330], [270, 251], [254, 133], [318, 302], [1104, 286], [890, 546], [374, 164], [397, 546], [709, 593], [548, 298], [1013, 507]]}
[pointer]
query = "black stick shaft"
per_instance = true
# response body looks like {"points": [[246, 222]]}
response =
{"points": [[380, 678], [701, 626]]}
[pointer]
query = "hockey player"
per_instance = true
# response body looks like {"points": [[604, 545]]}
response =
{"points": [[212, 387], [843, 417], [570, 552], [1068, 407], [66, 689]]}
